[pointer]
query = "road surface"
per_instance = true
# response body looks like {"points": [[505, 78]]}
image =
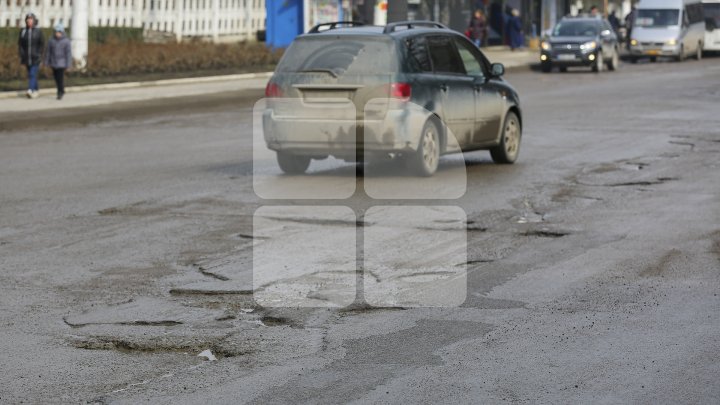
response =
{"points": [[592, 267]]}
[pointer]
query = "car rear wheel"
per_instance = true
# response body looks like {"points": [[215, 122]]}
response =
{"points": [[425, 161], [599, 63], [292, 164], [509, 148]]}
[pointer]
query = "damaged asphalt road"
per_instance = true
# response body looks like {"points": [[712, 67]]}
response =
{"points": [[593, 264]]}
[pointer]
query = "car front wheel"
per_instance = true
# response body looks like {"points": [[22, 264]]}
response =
{"points": [[292, 164], [614, 61], [599, 63], [509, 148]]}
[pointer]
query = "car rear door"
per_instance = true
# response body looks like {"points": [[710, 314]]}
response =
{"points": [[456, 89], [489, 104]]}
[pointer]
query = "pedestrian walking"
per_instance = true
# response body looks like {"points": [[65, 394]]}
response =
{"points": [[31, 45], [59, 57], [614, 22], [515, 31], [477, 30], [629, 23]]}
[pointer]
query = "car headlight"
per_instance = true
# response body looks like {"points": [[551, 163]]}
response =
{"points": [[588, 46], [545, 45], [672, 42], [633, 42]]}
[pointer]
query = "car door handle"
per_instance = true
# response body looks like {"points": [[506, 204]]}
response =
{"points": [[443, 87]]}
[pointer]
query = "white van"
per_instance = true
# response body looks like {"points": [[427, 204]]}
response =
{"points": [[711, 10], [673, 28]]}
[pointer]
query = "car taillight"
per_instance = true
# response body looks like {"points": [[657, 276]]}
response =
{"points": [[272, 90], [400, 91]]}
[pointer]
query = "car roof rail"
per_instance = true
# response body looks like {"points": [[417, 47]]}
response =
{"points": [[333, 25], [412, 24]]}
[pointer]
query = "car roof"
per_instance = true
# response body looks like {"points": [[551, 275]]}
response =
{"points": [[396, 30]]}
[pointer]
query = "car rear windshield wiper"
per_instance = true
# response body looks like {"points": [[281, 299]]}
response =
{"points": [[321, 70]]}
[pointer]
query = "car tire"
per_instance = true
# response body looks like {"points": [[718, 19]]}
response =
{"points": [[633, 60], [563, 69], [546, 67], [424, 162], [509, 148], [292, 164], [681, 56], [653, 59], [599, 62], [614, 61]]}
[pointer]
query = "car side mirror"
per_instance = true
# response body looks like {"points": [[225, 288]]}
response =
{"points": [[497, 69]]}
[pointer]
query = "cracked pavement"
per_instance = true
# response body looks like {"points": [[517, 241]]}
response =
{"points": [[593, 264]]}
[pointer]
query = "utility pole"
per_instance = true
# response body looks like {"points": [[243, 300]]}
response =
{"points": [[79, 31]]}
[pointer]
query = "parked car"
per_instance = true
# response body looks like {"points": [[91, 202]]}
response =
{"points": [[711, 12], [580, 41], [442, 96], [674, 28]]}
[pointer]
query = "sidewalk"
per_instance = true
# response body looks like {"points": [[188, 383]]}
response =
{"points": [[519, 58], [103, 94], [106, 94]]}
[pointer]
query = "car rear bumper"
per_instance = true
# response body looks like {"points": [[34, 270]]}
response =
{"points": [[395, 130]]}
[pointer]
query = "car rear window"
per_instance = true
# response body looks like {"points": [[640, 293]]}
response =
{"points": [[338, 56]]}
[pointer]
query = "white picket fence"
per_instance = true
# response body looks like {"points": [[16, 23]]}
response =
{"points": [[215, 19]]}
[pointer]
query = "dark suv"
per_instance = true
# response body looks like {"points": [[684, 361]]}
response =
{"points": [[580, 41], [417, 90]]}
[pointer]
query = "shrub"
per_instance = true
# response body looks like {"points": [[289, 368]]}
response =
{"points": [[137, 58], [100, 35]]}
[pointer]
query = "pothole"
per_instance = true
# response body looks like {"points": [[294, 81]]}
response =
{"points": [[546, 233], [269, 320], [683, 143], [659, 180]]}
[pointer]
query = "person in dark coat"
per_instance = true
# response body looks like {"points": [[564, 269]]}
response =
{"points": [[59, 57], [477, 29], [614, 22], [629, 23], [31, 45], [515, 31]]}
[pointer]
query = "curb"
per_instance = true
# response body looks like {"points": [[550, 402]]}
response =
{"points": [[151, 83]]}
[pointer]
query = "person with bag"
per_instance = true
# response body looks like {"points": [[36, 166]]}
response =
{"points": [[59, 57], [31, 45]]}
